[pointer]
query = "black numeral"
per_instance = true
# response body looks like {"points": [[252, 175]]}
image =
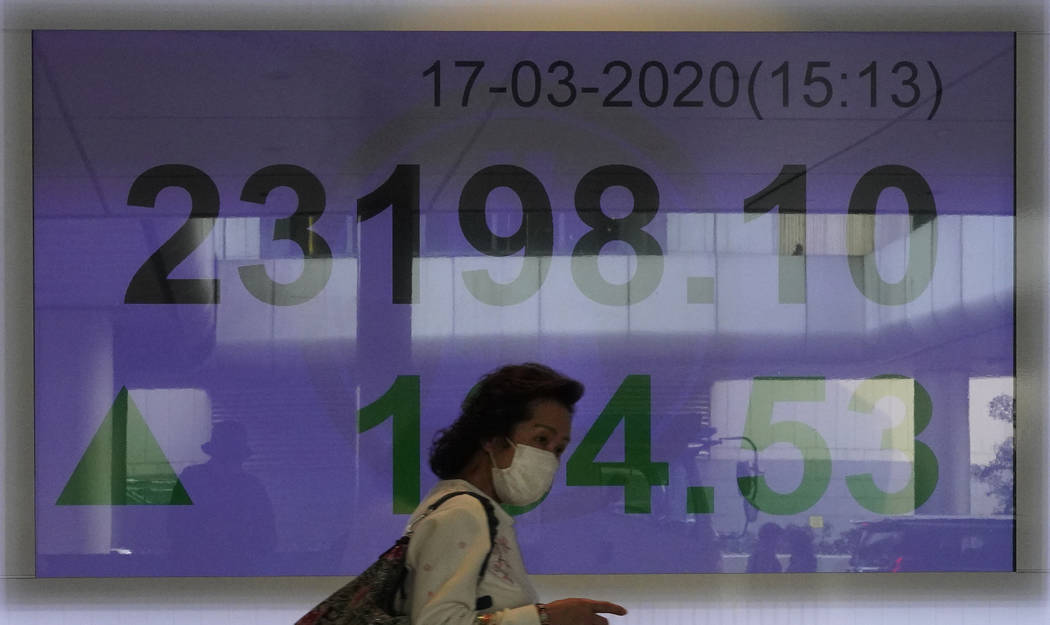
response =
{"points": [[317, 256], [151, 284]]}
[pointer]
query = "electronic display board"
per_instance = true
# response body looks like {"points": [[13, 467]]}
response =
{"points": [[268, 266]]}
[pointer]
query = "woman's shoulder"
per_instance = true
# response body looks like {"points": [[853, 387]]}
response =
{"points": [[455, 506], [447, 487]]}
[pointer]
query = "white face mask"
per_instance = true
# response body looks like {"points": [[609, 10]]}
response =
{"points": [[528, 478]]}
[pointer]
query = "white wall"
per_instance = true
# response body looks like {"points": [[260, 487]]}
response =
{"points": [[959, 599]]}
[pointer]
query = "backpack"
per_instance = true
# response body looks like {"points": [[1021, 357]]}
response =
{"points": [[369, 598]]}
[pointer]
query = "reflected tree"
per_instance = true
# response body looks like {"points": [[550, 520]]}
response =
{"points": [[998, 474]]}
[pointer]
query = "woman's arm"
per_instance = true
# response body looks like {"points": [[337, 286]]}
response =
{"points": [[445, 554]]}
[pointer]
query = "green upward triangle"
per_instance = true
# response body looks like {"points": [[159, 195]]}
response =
{"points": [[123, 465]]}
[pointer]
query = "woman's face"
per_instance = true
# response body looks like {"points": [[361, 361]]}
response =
{"points": [[548, 428]]}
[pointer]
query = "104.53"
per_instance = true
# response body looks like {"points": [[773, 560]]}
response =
{"points": [[638, 473]]}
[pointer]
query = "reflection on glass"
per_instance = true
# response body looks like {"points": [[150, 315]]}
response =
{"points": [[792, 305], [992, 414], [229, 529]]}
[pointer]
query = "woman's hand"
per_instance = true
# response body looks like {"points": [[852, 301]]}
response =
{"points": [[581, 611]]}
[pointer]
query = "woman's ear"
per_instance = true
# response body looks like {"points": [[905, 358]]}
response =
{"points": [[495, 444]]}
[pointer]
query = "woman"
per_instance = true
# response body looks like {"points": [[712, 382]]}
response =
{"points": [[506, 446]]}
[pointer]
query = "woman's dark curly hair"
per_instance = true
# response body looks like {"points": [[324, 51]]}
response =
{"points": [[498, 402]]}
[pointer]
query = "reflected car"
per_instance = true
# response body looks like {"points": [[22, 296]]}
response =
{"points": [[934, 543]]}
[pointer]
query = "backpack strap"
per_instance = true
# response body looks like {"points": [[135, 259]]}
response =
{"points": [[489, 513], [486, 601]]}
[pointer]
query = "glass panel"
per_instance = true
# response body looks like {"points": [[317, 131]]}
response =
{"points": [[270, 265]]}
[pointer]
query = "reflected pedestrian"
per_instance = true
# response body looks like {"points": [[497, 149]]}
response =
{"points": [[763, 558], [799, 543]]}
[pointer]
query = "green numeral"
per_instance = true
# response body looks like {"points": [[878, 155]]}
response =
{"points": [[816, 459], [919, 410], [401, 401], [637, 473]]}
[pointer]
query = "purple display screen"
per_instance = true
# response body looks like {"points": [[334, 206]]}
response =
{"points": [[268, 267]]}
